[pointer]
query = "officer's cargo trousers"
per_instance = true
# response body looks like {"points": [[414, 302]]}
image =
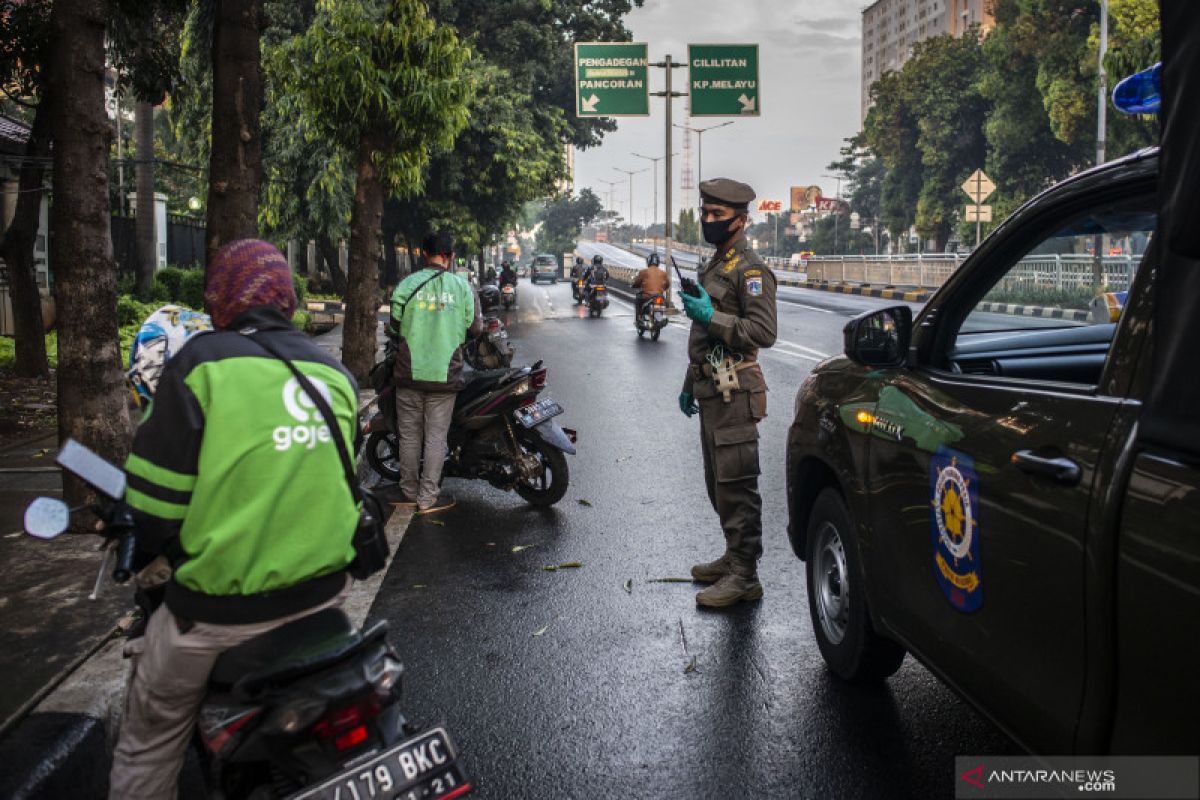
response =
{"points": [[729, 439]]}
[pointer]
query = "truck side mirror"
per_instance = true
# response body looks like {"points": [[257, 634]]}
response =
{"points": [[879, 338]]}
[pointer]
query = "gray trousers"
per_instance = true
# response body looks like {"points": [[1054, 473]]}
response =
{"points": [[170, 677], [422, 422]]}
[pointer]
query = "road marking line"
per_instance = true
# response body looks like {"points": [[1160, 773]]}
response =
{"points": [[802, 347], [791, 302], [782, 351]]}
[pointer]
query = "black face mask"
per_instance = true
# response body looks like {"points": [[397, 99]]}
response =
{"points": [[717, 231]]}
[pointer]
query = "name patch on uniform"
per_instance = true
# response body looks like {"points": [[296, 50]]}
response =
{"points": [[754, 286], [954, 525]]}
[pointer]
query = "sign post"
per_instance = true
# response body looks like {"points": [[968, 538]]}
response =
{"points": [[723, 80], [979, 187], [611, 79]]}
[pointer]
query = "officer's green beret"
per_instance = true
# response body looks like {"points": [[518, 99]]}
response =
{"points": [[726, 192]]}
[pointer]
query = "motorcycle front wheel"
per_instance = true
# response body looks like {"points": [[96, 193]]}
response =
{"points": [[383, 454], [550, 487]]}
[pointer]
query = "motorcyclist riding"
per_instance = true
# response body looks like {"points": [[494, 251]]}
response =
{"points": [[649, 282], [596, 274], [508, 275]]}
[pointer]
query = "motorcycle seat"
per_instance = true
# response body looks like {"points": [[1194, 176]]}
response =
{"points": [[480, 383], [297, 648]]}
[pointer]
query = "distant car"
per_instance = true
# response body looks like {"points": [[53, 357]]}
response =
{"points": [[969, 486], [544, 267], [522, 271]]}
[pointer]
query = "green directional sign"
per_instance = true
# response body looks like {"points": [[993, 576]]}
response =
{"points": [[610, 79], [723, 80]]}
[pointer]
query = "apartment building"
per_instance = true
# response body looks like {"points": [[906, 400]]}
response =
{"points": [[890, 28]]}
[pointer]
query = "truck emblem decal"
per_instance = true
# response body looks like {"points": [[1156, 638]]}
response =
{"points": [[954, 524]]}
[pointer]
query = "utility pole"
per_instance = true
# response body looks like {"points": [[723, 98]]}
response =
{"points": [[668, 65], [1102, 95], [631, 173], [837, 211], [700, 144]]}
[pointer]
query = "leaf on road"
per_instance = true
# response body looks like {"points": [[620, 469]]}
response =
{"points": [[519, 547], [418, 586], [691, 667], [623, 458], [437, 522], [41, 453], [583, 502], [567, 565], [490, 544], [629, 586], [541, 630], [668, 580]]}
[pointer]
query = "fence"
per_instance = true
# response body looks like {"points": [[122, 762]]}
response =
{"points": [[185, 243]]}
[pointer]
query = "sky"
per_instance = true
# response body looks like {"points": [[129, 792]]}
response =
{"points": [[808, 93]]}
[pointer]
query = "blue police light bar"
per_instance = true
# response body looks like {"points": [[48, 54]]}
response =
{"points": [[1140, 93]]}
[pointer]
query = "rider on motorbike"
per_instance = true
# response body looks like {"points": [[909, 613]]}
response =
{"points": [[577, 268], [649, 282], [596, 274], [508, 275], [220, 440]]}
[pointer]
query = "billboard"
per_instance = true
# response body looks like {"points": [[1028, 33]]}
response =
{"points": [[804, 196]]}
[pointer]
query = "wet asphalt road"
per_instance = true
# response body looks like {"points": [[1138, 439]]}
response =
{"points": [[576, 682]]}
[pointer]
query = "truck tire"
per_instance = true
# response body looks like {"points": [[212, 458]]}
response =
{"points": [[837, 603]]}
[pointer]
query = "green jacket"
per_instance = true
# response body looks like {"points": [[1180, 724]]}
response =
{"points": [[234, 476], [433, 311]]}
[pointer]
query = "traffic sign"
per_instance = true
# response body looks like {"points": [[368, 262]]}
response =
{"points": [[611, 80], [723, 80], [979, 187], [979, 213]]}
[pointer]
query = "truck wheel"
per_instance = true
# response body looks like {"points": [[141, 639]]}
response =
{"points": [[837, 601]]}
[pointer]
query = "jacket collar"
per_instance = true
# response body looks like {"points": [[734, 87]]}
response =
{"points": [[263, 318]]}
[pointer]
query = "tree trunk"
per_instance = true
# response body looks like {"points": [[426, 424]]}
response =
{"points": [[235, 163], [329, 255], [17, 252], [362, 282], [92, 402], [147, 242]]}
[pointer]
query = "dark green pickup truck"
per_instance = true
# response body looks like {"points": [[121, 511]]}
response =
{"points": [[969, 487]]}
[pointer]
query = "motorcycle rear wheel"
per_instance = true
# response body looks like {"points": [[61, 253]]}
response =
{"points": [[654, 334], [555, 475], [383, 454]]}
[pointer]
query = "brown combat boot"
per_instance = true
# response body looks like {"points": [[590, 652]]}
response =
{"points": [[713, 571], [737, 585]]}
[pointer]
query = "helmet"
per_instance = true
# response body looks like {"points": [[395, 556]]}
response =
{"points": [[578, 260], [597, 260], [652, 260]]}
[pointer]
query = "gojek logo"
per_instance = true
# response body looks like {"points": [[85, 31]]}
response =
{"points": [[312, 428]]}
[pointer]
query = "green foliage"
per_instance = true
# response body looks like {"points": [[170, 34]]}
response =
{"points": [[563, 217], [687, 229], [24, 34], [182, 286], [300, 284], [384, 72], [131, 311], [301, 320], [8, 351]]}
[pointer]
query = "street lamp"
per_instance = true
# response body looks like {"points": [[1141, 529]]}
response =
{"points": [[631, 173], [611, 184], [837, 209], [654, 160], [700, 144]]}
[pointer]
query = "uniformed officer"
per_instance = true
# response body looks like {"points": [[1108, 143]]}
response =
{"points": [[733, 317]]}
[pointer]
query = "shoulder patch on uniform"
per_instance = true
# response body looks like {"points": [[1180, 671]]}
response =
{"points": [[752, 273], [754, 285]]}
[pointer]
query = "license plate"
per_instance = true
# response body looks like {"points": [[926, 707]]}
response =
{"points": [[537, 412], [422, 768]]}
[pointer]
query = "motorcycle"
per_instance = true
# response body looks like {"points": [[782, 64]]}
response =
{"points": [[508, 295], [501, 432], [310, 709], [577, 291], [652, 317], [597, 299], [489, 295]]}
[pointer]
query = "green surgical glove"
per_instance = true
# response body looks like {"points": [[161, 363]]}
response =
{"points": [[687, 404], [698, 308]]}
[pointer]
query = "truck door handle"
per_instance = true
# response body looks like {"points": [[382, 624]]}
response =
{"points": [[1060, 469]]}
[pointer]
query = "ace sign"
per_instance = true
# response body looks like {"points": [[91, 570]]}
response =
{"points": [[769, 206]]}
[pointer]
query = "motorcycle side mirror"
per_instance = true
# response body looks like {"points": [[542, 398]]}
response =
{"points": [[47, 517]]}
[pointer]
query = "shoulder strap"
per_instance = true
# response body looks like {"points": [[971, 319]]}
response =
{"points": [[437, 273], [319, 401]]}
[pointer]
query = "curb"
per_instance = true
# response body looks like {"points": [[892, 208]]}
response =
{"points": [[1036, 311], [909, 295]]}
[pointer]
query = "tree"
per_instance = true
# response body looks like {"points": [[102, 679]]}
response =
{"points": [[563, 218], [235, 157], [91, 398], [25, 36], [687, 229], [386, 84], [890, 130]]}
